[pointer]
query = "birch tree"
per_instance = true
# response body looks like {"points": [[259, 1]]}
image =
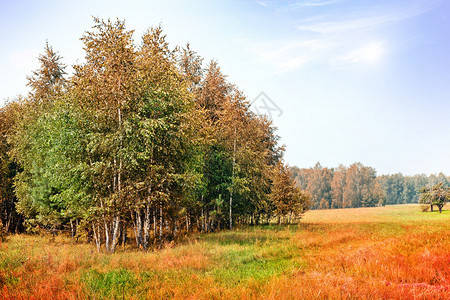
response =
{"points": [[104, 89]]}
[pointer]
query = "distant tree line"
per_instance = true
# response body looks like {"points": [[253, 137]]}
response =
{"points": [[401, 189], [141, 139], [359, 186]]}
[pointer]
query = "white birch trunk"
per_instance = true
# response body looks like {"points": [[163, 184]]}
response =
{"points": [[116, 232], [97, 237], [107, 237], [146, 225]]}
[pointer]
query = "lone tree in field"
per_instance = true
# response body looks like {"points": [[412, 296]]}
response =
{"points": [[436, 195]]}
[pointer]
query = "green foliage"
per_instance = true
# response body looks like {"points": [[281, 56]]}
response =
{"points": [[51, 187]]}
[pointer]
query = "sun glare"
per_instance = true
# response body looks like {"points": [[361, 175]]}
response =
{"points": [[372, 52]]}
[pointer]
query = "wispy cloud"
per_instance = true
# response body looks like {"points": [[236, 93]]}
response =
{"points": [[354, 22], [368, 53], [262, 3], [361, 35], [316, 3], [292, 54]]}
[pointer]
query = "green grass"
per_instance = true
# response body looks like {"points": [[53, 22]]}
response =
{"points": [[112, 284]]}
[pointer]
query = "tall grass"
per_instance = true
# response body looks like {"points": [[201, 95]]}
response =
{"points": [[394, 252]]}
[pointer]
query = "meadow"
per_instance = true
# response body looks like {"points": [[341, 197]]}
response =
{"points": [[392, 252]]}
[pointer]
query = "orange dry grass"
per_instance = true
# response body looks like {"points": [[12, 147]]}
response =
{"points": [[35, 267], [380, 253], [161, 261], [349, 265], [37, 273]]}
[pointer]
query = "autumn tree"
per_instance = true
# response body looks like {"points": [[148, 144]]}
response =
{"points": [[48, 81], [168, 127], [214, 88], [104, 87], [11, 220], [362, 188], [232, 124], [190, 65], [338, 186], [302, 177], [355, 186], [260, 154], [319, 186], [288, 200], [140, 136]]}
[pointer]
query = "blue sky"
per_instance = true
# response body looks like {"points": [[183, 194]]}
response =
{"points": [[356, 80]]}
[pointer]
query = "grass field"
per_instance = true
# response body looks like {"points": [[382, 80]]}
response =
{"points": [[393, 252]]}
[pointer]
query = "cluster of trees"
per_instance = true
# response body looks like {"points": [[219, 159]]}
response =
{"points": [[400, 189], [359, 186], [140, 138], [341, 187]]}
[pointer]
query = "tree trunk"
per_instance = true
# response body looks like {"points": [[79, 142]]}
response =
{"points": [[107, 237], [147, 225], [187, 223], [116, 233], [72, 229], [232, 181], [160, 223], [139, 229], [175, 228], [124, 235], [203, 220], [135, 226], [97, 237], [155, 229], [116, 220]]}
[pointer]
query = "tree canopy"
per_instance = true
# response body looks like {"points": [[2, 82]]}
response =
{"points": [[437, 195], [141, 137]]}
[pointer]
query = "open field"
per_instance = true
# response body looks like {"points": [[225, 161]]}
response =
{"points": [[368, 253]]}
